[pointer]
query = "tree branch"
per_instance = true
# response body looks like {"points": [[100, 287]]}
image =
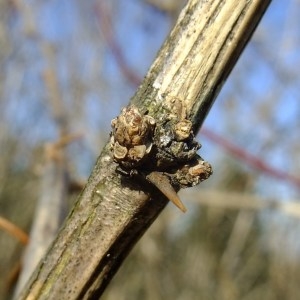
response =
{"points": [[113, 211]]}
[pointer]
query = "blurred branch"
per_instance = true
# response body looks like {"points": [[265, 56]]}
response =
{"points": [[249, 158], [49, 213], [113, 212], [237, 240], [231, 200], [14, 230], [52, 205], [55, 101], [103, 17]]}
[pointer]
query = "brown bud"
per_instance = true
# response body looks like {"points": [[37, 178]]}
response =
{"points": [[202, 170], [120, 152], [183, 130], [137, 152], [131, 136]]}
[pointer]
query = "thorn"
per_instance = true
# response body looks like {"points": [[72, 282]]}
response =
{"points": [[162, 182]]}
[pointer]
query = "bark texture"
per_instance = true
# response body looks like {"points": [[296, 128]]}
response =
{"points": [[113, 211]]}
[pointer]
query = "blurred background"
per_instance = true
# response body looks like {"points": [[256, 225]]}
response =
{"points": [[68, 67]]}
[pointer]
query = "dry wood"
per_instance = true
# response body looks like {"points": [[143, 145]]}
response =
{"points": [[113, 212]]}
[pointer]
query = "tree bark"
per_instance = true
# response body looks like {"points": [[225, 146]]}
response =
{"points": [[113, 211]]}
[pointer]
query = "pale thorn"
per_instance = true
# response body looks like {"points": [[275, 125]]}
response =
{"points": [[162, 182]]}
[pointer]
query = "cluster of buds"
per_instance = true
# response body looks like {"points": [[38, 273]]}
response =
{"points": [[131, 138], [165, 153]]}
